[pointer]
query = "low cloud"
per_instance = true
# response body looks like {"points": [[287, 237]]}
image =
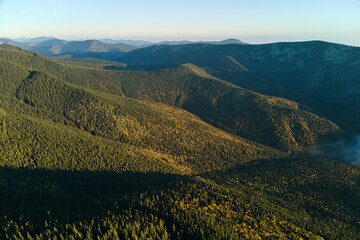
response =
{"points": [[344, 150]]}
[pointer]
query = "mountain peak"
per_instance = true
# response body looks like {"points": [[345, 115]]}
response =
{"points": [[196, 70], [231, 41]]}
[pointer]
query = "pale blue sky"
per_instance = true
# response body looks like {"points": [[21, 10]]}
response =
{"points": [[254, 21]]}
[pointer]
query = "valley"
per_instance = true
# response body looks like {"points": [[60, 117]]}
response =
{"points": [[204, 140]]}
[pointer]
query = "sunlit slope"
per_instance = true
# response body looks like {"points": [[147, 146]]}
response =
{"points": [[322, 75], [272, 121], [187, 142], [78, 162], [33, 143]]}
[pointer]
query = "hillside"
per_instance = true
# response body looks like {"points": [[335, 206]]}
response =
{"points": [[321, 75], [92, 153], [284, 124], [272, 121], [14, 43], [49, 47], [186, 142], [91, 62]]}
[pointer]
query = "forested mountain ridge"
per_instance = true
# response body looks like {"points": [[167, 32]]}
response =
{"points": [[91, 153], [53, 47], [126, 120], [319, 74], [271, 121]]}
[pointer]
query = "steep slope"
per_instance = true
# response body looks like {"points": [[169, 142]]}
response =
{"points": [[3, 128], [320, 74], [49, 47], [78, 163], [234, 72], [107, 204], [27, 142], [272, 121], [310, 185], [189, 143]]}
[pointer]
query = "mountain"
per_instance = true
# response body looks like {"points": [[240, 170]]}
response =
{"points": [[14, 43], [43, 97], [107, 49], [229, 41], [136, 43], [140, 43], [88, 151], [284, 124], [52, 43], [94, 46], [49, 47], [185, 42], [7, 41], [33, 40], [321, 75], [87, 48]]}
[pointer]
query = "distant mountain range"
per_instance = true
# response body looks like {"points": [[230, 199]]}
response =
{"points": [[141, 44], [224, 42], [33, 40], [51, 46]]}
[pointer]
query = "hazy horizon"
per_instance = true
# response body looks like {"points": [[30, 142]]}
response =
{"points": [[180, 39], [253, 22]]}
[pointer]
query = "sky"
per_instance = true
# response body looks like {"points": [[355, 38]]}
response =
{"points": [[253, 21]]}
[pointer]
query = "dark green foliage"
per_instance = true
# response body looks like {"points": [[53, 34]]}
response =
{"points": [[327, 190], [92, 63], [182, 140], [39, 144], [102, 156], [82, 204], [322, 75], [272, 121]]}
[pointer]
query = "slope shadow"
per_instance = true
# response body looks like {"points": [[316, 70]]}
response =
{"points": [[74, 195], [324, 188]]}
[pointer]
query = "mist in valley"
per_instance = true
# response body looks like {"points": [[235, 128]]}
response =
{"points": [[345, 150]]}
